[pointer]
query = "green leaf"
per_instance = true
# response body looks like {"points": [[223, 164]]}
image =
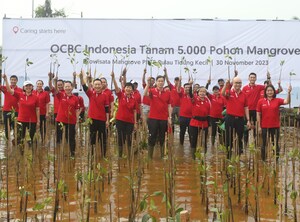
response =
{"points": [[146, 218], [157, 193], [143, 205], [152, 205], [39, 206], [210, 183], [282, 62]]}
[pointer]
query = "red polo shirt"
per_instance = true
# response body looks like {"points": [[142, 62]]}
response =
{"points": [[97, 104], [159, 101], [200, 108], [253, 95], [10, 101], [217, 106], [126, 108], [109, 94], [175, 99], [137, 96], [27, 107], [56, 100], [68, 105], [44, 99], [185, 105], [236, 103], [269, 110]]}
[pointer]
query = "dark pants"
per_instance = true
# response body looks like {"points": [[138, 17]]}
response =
{"points": [[124, 130], [214, 128], [98, 128], [70, 136], [8, 121], [43, 126], [58, 130], [157, 129], [22, 131], [184, 123], [175, 115], [234, 124], [252, 116], [194, 133], [268, 133]]}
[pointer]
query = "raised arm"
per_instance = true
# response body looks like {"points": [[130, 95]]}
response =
{"points": [[227, 84], [11, 91], [146, 90], [288, 98], [117, 89], [166, 76]]}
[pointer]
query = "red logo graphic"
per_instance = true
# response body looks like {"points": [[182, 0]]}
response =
{"points": [[15, 29]]}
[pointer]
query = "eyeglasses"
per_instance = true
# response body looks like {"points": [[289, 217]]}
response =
{"points": [[238, 82]]}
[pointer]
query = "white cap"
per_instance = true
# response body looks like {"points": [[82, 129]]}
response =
{"points": [[27, 82]]}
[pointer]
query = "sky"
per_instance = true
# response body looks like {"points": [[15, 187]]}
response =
{"points": [[171, 9]]}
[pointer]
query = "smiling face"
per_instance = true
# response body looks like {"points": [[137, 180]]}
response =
{"points": [[68, 88], [270, 92], [60, 85], [13, 81], [237, 83], [97, 85], [39, 85], [28, 88], [128, 90], [202, 92], [104, 83], [160, 82], [252, 79]]}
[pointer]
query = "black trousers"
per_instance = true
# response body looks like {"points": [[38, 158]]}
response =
{"points": [[157, 130], [234, 124], [124, 130], [252, 116], [98, 129], [184, 123], [194, 133], [58, 130], [22, 127], [175, 115], [70, 136], [43, 126], [268, 133], [214, 126], [8, 121]]}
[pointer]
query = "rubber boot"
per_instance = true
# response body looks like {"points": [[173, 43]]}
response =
{"points": [[150, 152]]}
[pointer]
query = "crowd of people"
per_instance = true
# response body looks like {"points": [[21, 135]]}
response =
{"points": [[162, 105]]}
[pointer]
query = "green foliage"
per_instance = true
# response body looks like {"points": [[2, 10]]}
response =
{"points": [[28, 62], [3, 58], [45, 10], [43, 204]]}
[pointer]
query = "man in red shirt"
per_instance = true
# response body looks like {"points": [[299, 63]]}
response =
{"points": [[60, 87], [160, 114], [98, 111], [237, 108], [185, 113], [175, 99], [68, 114], [10, 104], [252, 92], [146, 99]]}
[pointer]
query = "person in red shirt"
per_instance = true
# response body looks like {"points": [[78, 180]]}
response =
{"points": [[81, 107], [108, 92], [252, 92], [268, 82], [98, 112], [160, 114], [10, 104], [237, 108], [146, 99], [44, 99], [185, 113], [268, 118], [175, 99], [68, 114], [199, 120], [217, 107], [126, 119], [60, 87], [29, 111]]}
